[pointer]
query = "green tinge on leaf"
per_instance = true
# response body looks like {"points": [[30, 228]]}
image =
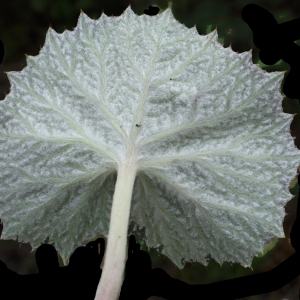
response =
{"points": [[268, 247], [214, 154]]}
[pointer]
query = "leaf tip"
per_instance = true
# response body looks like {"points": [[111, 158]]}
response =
{"points": [[128, 8]]}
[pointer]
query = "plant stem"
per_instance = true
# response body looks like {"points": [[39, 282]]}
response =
{"points": [[114, 265]]}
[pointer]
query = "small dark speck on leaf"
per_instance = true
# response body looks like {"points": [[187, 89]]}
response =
{"points": [[137, 125]]}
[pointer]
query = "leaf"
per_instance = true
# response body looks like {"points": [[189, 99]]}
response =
{"points": [[268, 247], [212, 150]]}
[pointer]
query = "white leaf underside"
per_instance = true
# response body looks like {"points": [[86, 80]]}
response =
{"points": [[214, 154]]}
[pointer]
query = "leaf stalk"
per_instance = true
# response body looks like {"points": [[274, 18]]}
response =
{"points": [[110, 284]]}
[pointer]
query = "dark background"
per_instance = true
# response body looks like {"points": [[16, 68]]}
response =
{"points": [[23, 27]]}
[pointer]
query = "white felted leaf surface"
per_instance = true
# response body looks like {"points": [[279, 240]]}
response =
{"points": [[213, 150]]}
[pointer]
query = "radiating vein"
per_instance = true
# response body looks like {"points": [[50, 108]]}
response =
{"points": [[207, 122]]}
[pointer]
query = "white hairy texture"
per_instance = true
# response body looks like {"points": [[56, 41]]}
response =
{"points": [[213, 154]]}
